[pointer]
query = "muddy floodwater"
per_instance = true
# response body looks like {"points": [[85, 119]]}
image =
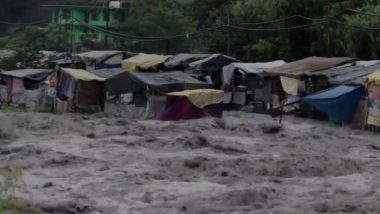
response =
{"points": [[241, 164]]}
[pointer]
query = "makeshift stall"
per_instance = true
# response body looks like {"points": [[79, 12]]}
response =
{"points": [[257, 88], [193, 104], [24, 87], [297, 80], [373, 85], [210, 69], [78, 91]]}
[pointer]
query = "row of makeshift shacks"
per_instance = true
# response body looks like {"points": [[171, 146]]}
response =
{"points": [[342, 90]]}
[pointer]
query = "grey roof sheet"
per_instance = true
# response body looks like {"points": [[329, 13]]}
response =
{"points": [[184, 58], [22, 73], [350, 74], [213, 62], [307, 66], [107, 73], [174, 77]]}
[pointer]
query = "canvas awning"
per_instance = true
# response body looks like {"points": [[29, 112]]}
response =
{"points": [[201, 97], [83, 75], [97, 56], [338, 102], [193, 104], [307, 66], [165, 82], [248, 68], [143, 62], [183, 59], [107, 73]]}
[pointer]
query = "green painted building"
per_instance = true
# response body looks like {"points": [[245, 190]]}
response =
{"points": [[80, 19]]}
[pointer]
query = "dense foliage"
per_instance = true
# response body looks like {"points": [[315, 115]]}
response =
{"points": [[239, 28]]}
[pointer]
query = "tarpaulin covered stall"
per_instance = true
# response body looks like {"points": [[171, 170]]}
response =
{"points": [[247, 69], [212, 66], [339, 102], [148, 89], [144, 62], [78, 90], [372, 82], [297, 79], [295, 73], [193, 104], [22, 86]]}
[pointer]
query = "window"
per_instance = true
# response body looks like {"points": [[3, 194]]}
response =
{"points": [[56, 17], [87, 17], [95, 15], [66, 14]]}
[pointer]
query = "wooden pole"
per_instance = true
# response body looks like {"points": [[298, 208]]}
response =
{"points": [[328, 28], [107, 17], [228, 36]]}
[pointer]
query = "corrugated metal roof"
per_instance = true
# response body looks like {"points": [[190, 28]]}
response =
{"points": [[353, 73], [307, 66]]}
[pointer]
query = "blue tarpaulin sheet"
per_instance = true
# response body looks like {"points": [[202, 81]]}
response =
{"points": [[339, 102]]}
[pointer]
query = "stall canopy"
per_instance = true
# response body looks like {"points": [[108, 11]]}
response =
{"points": [[248, 68], [351, 73], [214, 62], [307, 66], [96, 56], [104, 59], [127, 82], [144, 62], [183, 59], [83, 75], [28, 74], [339, 102]]}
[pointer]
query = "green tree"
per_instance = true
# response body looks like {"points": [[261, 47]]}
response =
{"points": [[363, 43], [154, 20]]}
